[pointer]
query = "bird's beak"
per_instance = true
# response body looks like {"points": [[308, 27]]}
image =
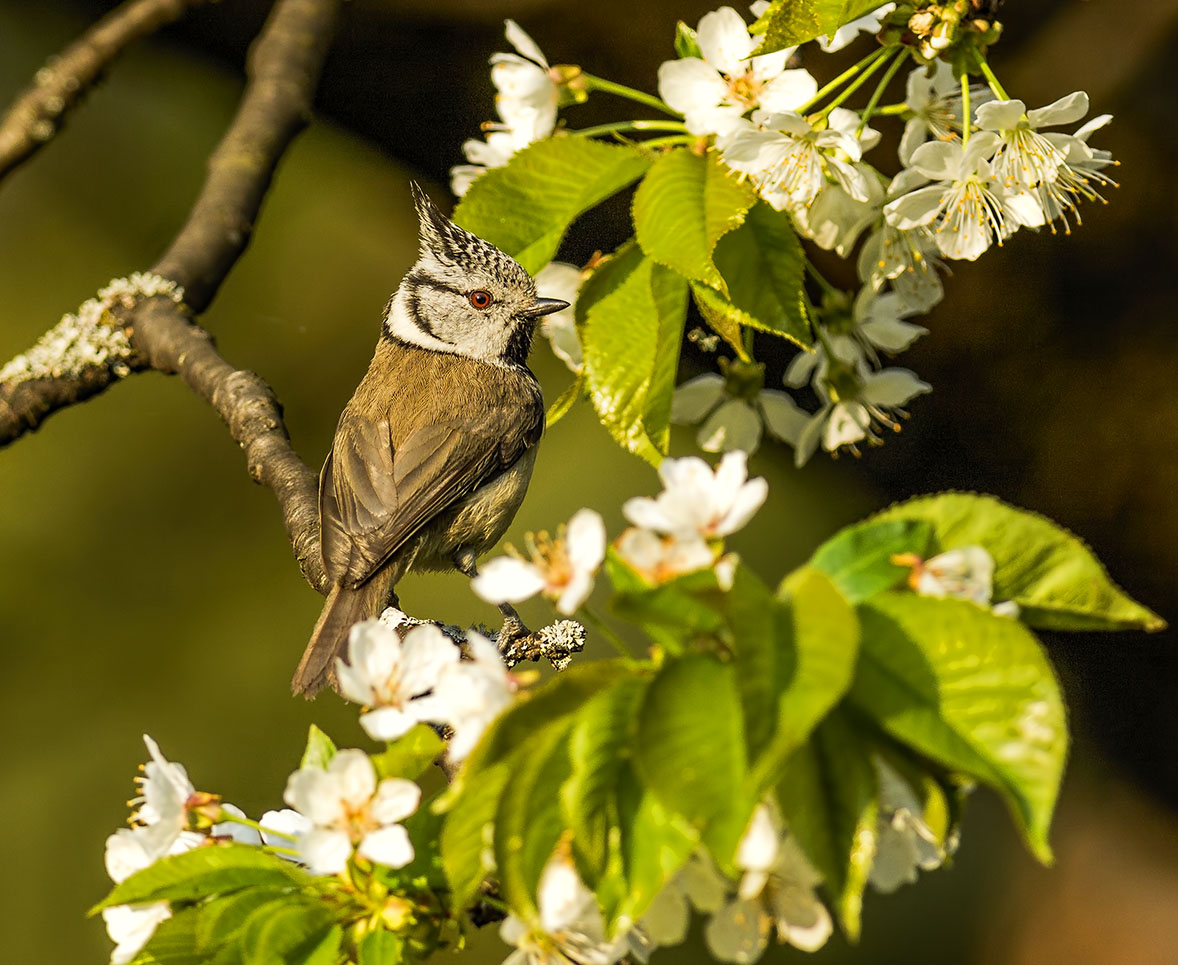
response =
{"points": [[546, 306]]}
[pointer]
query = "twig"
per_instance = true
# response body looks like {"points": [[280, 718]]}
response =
{"points": [[283, 70], [37, 114]]}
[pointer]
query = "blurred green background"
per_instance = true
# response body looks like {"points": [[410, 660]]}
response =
{"points": [[147, 585]]}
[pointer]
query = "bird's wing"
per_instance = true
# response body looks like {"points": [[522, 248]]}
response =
{"points": [[374, 495]]}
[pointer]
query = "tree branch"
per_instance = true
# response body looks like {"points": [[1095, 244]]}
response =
{"points": [[129, 328], [36, 116]]}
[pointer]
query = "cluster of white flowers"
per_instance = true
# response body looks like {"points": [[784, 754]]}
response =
{"points": [[526, 100], [675, 533], [166, 810], [419, 677], [965, 183]]}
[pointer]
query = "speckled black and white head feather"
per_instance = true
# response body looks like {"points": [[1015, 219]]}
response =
{"points": [[464, 296]]}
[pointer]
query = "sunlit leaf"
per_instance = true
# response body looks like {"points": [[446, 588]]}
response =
{"points": [[1055, 579], [634, 310], [526, 206], [682, 208], [970, 690]]}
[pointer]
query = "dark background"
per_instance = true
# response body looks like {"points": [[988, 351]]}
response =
{"points": [[145, 584]]}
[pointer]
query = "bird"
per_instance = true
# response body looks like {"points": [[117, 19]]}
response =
{"points": [[434, 452]]}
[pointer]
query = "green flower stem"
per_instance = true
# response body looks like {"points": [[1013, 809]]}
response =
{"points": [[668, 141], [869, 110], [226, 818], [618, 126], [606, 631], [995, 86], [862, 79], [891, 110], [965, 121], [843, 77], [826, 286], [621, 90]]}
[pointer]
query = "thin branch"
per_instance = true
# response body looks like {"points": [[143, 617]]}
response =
{"points": [[36, 116], [86, 353]]}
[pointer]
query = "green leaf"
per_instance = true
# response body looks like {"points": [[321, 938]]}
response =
{"points": [[319, 751], [634, 314], [828, 798], [690, 747], [787, 23], [529, 822], [410, 754], [174, 941], [970, 690], [526, 206], [683, 606], [654, 844], [222, 918], [600, 746], [764, 267], [816, 657], [299, 930], [682, 208], [565, 401], [381, 948], [425, 831], [560, 697], [1055, 579], [859, 558], [464, 835], [204, 872]]}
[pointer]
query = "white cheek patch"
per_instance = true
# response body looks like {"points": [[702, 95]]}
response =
{"points": [[480, 344]]}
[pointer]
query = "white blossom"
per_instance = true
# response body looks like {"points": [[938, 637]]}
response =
{"points": [[967, 207], [469, 695], [835, 220], [855, 400], [385, 672], [879, 321], [526, 89], [934, 104], [562, 569], [726, 422], [699, 502], [904, 842], [568, 927], [714, 91], [347, 808], [1026, 159], [129, 850], [697, 884], [558, 280], [658, 559], [526, 102], [775, 892], [868, 23], [164, 791], [789, 161], [964, 573]]}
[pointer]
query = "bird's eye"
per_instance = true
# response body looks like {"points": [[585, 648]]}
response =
{"points": [[480, 299]]}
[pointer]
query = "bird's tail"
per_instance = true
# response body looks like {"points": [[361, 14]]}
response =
{"points": [[329, 639]]}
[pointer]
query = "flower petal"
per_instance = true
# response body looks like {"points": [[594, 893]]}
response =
{"points": [[585, 539], [506, 579], [1071, 107], [734, 425], [395, 799], [695, 398], [724, 40], [519, 39], [324, 851]]}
